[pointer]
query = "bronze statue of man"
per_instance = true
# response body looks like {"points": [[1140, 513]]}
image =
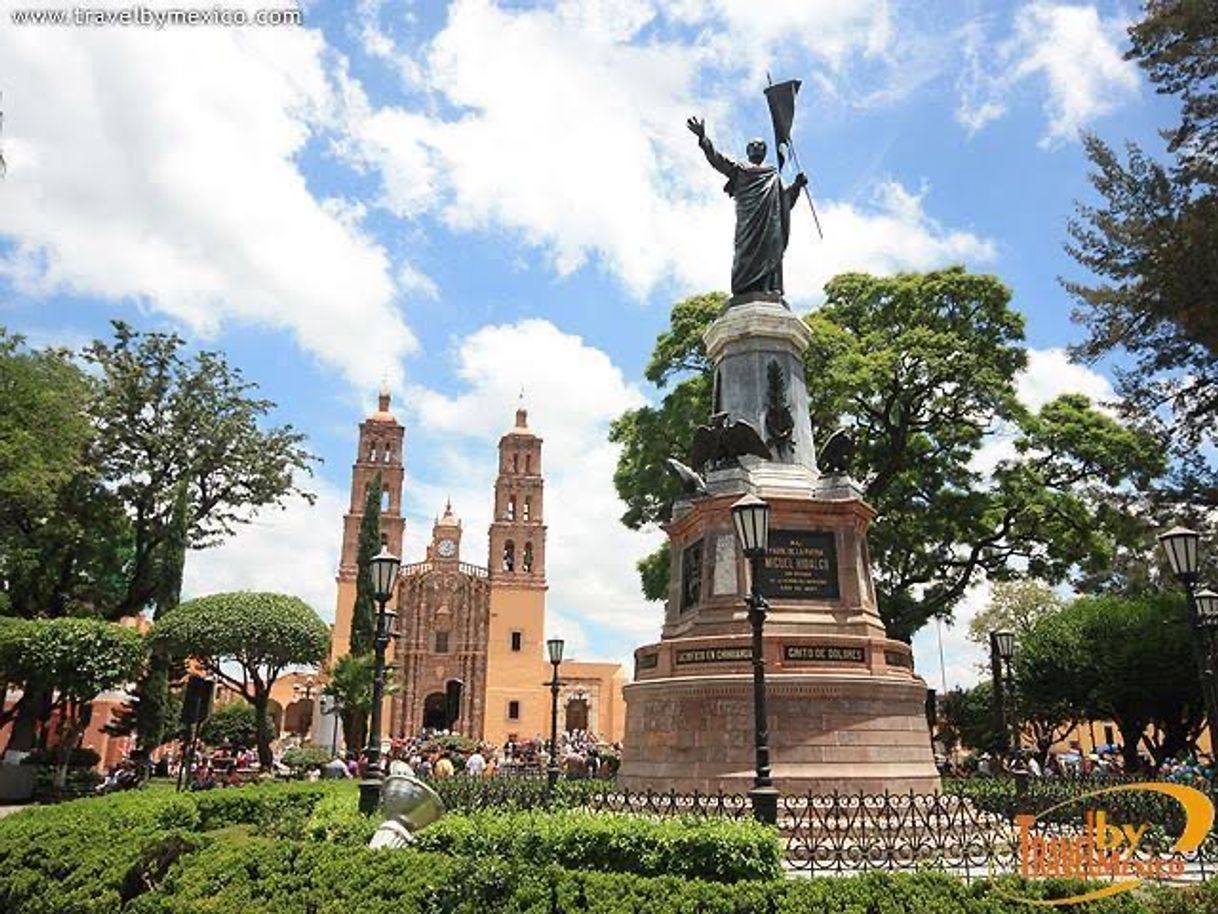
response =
{"points": [[763, 213]]}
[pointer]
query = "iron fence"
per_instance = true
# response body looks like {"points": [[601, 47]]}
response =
{"points": [[846, 834]]}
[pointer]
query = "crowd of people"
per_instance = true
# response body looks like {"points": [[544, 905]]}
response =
{"points": [[441, 754], [431, 754], [1107, 762]]}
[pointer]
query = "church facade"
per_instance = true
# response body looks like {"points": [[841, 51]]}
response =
{"points": [[480, 624]]}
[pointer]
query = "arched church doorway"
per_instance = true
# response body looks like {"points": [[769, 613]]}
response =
{"points": [[577, 714], [298, 717], [435, 711]]}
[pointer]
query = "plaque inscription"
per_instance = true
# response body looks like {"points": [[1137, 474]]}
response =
{"points": [[714, 655], [824, 653], [646, 661], [801, 565]]}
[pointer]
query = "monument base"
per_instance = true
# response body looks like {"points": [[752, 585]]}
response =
{"points": [[827, 732]]}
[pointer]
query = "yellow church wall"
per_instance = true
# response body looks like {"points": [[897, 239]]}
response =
{"points": [[516, 675]]}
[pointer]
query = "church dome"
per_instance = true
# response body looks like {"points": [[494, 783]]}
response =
{"points": [[382, 413], [449, 519]]}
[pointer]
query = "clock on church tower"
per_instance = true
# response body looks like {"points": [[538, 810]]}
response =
{"points": [[446, 536]]}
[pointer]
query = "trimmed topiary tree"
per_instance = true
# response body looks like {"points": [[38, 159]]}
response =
{"points": [[74, 659], [262, 633]]}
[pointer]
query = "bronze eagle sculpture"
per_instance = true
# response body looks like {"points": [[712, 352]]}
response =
{"points": [[724, 441]]}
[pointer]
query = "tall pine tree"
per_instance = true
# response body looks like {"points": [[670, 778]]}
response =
{"points": [[145, 714], [363, 616]]}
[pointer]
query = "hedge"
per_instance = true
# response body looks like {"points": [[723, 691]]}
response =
{"points": [[225, 852], [723, 851], [277, 877], [75, 857]]}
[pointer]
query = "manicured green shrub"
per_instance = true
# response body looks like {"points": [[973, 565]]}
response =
{"points": [[155, 852], [719, 850], [273, 809], [337, 820], [303, 758]]}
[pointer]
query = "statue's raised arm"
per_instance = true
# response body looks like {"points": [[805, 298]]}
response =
{"points": [[763, 214], [719, 162]]}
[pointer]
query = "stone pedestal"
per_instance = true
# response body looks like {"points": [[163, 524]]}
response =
{"points": [[846, 711]]}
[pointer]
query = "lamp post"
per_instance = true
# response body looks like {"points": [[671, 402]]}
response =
{"points": [[1207, 620], [751, 517], [383, 569], [1181, 546], [554, 649], [1002, 649]]}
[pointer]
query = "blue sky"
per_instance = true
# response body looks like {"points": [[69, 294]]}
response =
{"points": [[479, 197]]}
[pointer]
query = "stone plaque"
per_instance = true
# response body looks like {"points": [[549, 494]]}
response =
{"points": [[824, 653], [714, 655], [691, 576], [725, 564], [646, 662], [801, 565], [896, 658]]}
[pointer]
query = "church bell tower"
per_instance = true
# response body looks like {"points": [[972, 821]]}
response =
{"points": [[517, 564], [518, 534], [379, 452]]}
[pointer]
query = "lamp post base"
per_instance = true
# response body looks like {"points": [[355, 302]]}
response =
{"points": [[369, 795], [764, 801]]}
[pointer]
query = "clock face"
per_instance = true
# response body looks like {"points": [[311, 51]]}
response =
{"points": [[447, 548]]}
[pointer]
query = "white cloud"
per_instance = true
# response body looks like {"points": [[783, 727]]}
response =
{"points": [[1076, 53], [1051, 373], [1048, 375], [762, 35], [572, 391], [136, 172], [574, 142], [294, 550]]}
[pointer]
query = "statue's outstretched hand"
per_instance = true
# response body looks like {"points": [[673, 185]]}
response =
{"points": [[696, 127], [801, 181]]}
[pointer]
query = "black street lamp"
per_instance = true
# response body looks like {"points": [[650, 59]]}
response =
{"points": [[383, 570], [1182, 548], [751, 517], [1002, 649], [554, 648]]}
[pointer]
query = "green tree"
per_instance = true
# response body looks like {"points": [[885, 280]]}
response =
{"points": [[1119, 658], [146, 713], [350, 685], [1054, 685], [78, 658], [259, 633], [968, 719], [363, 615], [164, 421], [233, 724], [63, 535], [1150, 243], [923, 366], [1014, 606]]}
